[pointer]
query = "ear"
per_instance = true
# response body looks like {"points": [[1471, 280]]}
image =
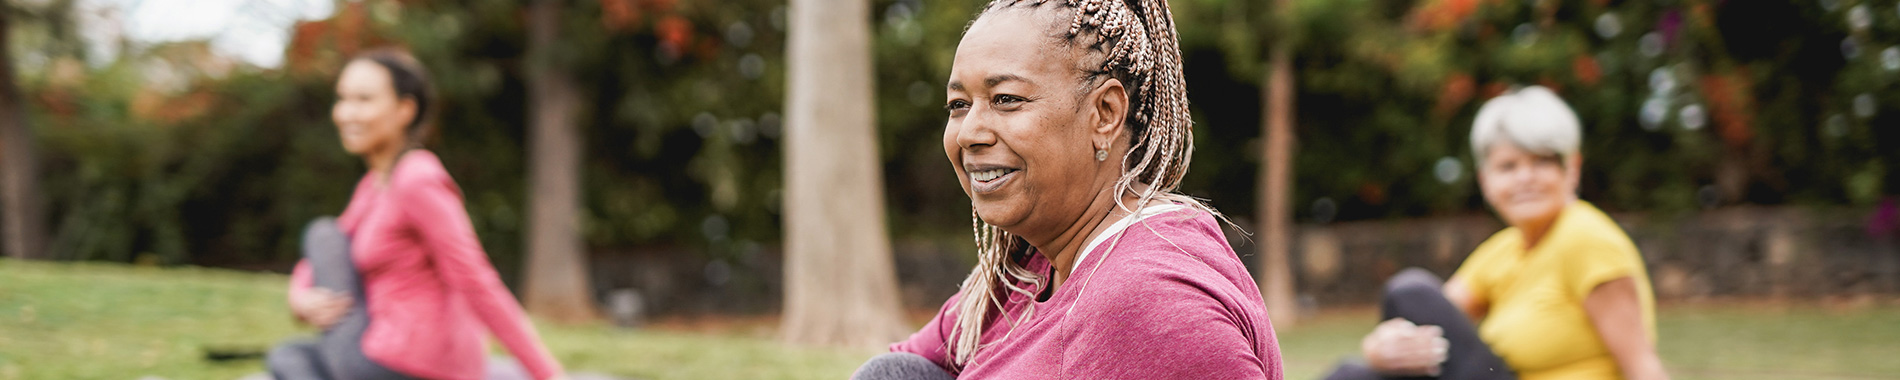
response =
{"points": [[406, 108], [1574, 172], [1108, 109]]}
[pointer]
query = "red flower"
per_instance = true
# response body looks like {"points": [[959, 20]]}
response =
{"points": [[619, 15], [1730, 100], [1493, 89], [675, 31], [1443, 14], [1457, 91], [1586, 69]]}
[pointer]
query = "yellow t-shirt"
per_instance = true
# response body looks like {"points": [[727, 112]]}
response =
{"points": [[1537, 323]]}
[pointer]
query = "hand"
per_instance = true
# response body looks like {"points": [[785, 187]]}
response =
{"points": [[320, 307], [1398, 347]]}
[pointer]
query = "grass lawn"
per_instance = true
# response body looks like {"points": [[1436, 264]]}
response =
{"points": [[105, 321]]}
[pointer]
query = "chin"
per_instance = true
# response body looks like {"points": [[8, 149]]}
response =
{"points": [[1529, 213], [1000, 213]]}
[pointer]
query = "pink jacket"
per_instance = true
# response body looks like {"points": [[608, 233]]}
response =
{"points": [[1169, 301], [431, 290]]}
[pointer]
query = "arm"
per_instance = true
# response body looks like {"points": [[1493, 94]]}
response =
{"points": [[435, 210], [931, 341], [1471, 302], [1153, 328], [300, 280], [1617, 314], [1398, 347], [311, 305]]}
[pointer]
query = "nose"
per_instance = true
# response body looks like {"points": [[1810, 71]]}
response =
{"points": [[342, 112], [977, 129]]}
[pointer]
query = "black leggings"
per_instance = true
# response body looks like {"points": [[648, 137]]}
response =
{"points": [[338, 353], [1414, 294]]}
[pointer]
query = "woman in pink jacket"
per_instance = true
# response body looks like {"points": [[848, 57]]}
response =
{"points": [[398, 284], [1069, 130]]}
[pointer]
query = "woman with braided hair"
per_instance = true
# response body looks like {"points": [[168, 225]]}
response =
{"points": [[1069, 130]]}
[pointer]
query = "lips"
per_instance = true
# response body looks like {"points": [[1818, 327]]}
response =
{"points": [[989, 178], [989, 175]]}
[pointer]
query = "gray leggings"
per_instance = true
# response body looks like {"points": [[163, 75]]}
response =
{"points": [[900, 366], [338, 353]]}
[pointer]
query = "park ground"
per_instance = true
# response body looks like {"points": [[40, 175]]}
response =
{"points": [[110, 321]]}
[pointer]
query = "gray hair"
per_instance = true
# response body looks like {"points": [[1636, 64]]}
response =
{"points": [[1532, 118]]}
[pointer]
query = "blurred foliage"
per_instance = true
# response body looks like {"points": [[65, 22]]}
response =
{"points": [[174, 155], [1686, 104]]}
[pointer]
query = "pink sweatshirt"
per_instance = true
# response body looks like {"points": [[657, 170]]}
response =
{"points": [[431, 290], [1170, 301]]}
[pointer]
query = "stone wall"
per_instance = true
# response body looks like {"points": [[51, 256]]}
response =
{"points": [[1734, 252]]}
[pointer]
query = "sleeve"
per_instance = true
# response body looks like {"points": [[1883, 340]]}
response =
{"points": [[1476, 271], [300, 280], [932, 341], [435, 209], [1149, 327], [1589, 265]]}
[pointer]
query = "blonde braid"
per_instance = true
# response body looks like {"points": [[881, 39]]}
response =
{"points": [[1142, 48]]}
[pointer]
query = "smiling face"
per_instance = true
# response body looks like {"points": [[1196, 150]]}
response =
{"points": [[1527, 189], [370, 117], [1023, 129]]}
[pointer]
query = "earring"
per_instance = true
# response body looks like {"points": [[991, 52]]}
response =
{"points": [[1101, 155]]}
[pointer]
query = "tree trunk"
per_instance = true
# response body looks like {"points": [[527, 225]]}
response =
{"points": [[555, 279], [23, 224], [1276, 186], [840, 283]]}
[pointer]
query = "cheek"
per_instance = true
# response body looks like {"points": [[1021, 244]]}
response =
{"points": [[382, 120], [1490, 190], [1553, 181], [950, 141], [1050, 144], [1495, 187], [340, 113], [954, 153]]}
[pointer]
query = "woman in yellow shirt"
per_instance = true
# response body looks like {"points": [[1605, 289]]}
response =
{"points": [[1562, 294]]}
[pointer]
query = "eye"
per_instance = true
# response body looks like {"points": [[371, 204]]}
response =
{"points": [[957, 107], [1551, 160], [1008, 101], [1505, 165]]}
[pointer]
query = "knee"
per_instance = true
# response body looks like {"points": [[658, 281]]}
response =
{"points": [[323, 235], [1412, 281], [322, 227], [899, 365]]}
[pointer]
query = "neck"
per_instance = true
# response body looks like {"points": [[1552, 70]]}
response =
{"points": [[1062, 248], [1534, 232], [381, 162]]}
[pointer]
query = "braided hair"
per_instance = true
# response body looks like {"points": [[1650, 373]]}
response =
{"points": [[1137, 45]]}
